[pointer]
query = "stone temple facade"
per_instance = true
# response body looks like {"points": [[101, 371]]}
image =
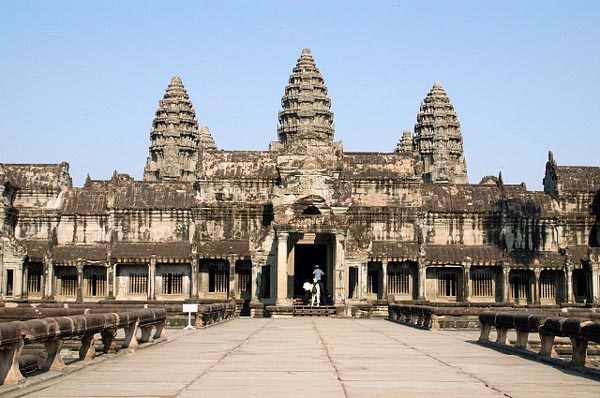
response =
{"points": [[208, 224]]}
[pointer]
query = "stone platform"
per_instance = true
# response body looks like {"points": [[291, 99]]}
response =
{"points": [[319, 357]]}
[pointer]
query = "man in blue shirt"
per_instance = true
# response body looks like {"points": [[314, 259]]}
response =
{"points": [[318, 275]]}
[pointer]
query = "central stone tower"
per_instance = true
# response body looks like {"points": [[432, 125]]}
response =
{"points": [[174, 137], [438, 139], [305, 119]]}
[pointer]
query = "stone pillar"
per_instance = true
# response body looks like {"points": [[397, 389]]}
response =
{"points": [[152, 279], [282, 266], [18, 281], [362, 281], [384, 279], [537, 286], [194, 293], [255, 285], [24, 288], [595, 283], [49, 278], [340, 276], [114, 280], [466, 281], [79, 267], [569, 283], [233, 293], [506, 283], [422, 294]]}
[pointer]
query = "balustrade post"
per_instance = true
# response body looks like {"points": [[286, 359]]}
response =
{"points": [[10, 374], [87, 350], [54, 360]]}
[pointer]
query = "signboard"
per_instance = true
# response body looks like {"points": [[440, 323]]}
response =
{"points": [[190, 308]]}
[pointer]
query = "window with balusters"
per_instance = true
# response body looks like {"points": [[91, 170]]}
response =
{"points": [[482, 284], [138, 283], [398, 280], [172, 283]]}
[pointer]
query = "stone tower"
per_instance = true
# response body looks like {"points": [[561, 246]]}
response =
{"points": [[438, 140], [174, 138], [305, 119], [207, 142]]}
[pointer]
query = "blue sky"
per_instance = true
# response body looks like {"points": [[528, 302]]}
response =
{"points": [[80, 80]]}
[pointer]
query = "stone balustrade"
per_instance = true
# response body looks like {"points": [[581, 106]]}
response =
{"points": [[51, 332], [209, 314], [580, 331], [434, 316]]}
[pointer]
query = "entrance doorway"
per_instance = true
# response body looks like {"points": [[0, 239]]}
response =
{"points": [[305, 259]]}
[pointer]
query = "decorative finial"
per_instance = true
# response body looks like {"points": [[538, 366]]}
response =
{"points": [[550, 157], [437, 85], [306, 51]]}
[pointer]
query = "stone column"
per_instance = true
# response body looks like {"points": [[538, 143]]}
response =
{"points": [[422, 294], [79, 267], [24, 288], [152, 279], [49, 278], [466, 281], [233, 293], [569, 283], [18, 281], [114, 280], [362, 281], [595, 283], [384, 279], [282, 265], [254, 285], [506, 283], [339, 273], [537, 287], [194, 293]]}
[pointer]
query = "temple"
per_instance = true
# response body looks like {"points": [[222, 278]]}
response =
{"points": [[209, 224]]}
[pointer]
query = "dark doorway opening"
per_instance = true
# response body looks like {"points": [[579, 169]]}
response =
{"points": [[305, 259]]}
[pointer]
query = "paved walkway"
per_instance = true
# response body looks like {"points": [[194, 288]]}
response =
{"points": [[320, 357]]}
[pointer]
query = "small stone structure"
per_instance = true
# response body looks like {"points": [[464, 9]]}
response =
{"points": [[209, 224]]}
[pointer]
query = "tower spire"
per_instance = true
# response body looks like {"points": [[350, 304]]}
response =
{"points": [[438, 139], [174, 137], [305, 118]]}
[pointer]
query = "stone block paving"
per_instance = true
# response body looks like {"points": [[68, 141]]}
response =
{"points": [[320, 357]]}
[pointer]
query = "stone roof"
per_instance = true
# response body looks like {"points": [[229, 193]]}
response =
{"points": [[397, 251], [533, 259], [461, 198], [36, 249], [238, 165], [522, 203], [365, 165], [75, 252], [39, 176], [457, 254], [221, 248], [78, 201], [146, 195], [578, 178], [145, 250]]}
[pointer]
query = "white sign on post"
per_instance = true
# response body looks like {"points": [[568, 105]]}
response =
{"points": [[189, 308]]}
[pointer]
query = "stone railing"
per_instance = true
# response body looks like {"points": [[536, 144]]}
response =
{"points": [[580, 331], [51, 332], [435, 316], [209, 314]]}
